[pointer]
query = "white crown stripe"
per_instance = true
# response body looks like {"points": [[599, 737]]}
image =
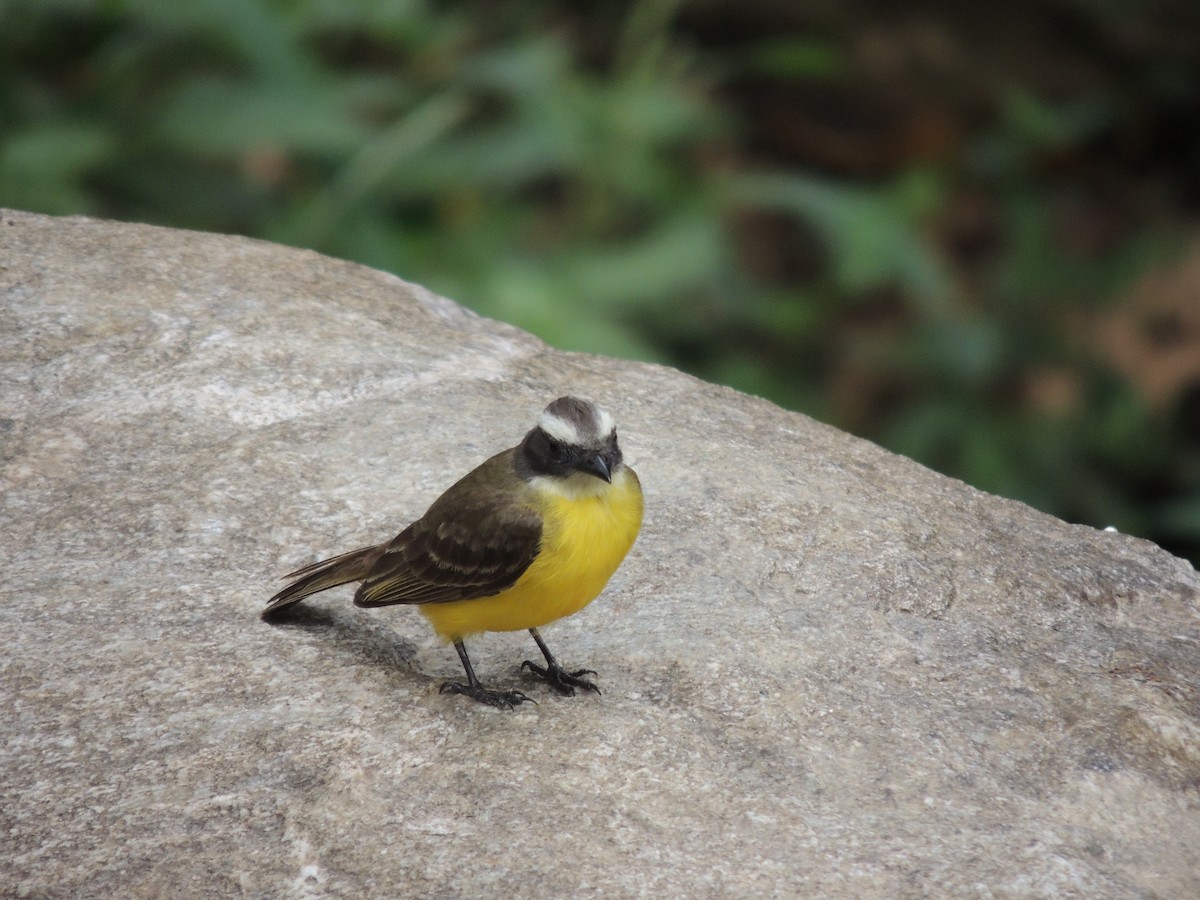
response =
{"points": [[559, 429], [605, 424]]}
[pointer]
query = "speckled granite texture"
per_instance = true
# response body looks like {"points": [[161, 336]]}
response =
{"points": [[827, 671]]}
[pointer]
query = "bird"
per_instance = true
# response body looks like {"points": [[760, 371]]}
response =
{"points": [[529, 536]]}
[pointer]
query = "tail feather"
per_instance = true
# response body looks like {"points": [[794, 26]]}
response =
{"points": [[321, 576]]}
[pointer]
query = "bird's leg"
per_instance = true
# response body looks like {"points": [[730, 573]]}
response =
{"points": [[475, 690], [563, 681]]}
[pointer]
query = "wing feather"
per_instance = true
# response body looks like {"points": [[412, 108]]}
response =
{"points": [[472, 543]]}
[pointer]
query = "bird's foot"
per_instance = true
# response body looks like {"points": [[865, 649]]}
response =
{"points": [[560, 679], [498, 699]]}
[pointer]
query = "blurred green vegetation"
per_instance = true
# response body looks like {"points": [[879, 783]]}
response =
{"points": [[965, 231]]}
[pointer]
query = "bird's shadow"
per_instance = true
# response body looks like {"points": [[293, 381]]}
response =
{"points": [[363, 638]]}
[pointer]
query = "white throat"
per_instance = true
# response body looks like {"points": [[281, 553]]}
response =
{"points": [[576, 486]]}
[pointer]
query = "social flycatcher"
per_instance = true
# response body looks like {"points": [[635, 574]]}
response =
{"points": [[531, 535]]}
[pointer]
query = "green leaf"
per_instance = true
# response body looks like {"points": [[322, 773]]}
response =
{"points": [[43, 167], [684, 254], [60, 150], [1041, 125], [872, 245], [795, 59], [375, 163], [224, 117]]}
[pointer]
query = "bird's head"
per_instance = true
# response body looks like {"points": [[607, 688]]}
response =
{"points": [[573, 443]]}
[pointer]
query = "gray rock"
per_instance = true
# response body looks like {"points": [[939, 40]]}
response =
{"points": [[826, 670]]}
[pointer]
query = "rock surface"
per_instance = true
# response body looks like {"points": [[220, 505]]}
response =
{"points": [[826, 670]]}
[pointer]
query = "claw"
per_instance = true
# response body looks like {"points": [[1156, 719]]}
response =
{"points": [[560, 679], [498, 699]]}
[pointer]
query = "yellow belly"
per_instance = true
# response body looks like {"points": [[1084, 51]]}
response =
{"points": [[584, 540]]}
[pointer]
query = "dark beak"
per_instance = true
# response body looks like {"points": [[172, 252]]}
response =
{"points": [[596, 465]]}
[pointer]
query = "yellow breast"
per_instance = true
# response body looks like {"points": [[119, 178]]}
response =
{"points": [[585, 536]]}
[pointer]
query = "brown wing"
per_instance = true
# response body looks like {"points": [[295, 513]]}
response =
{"points": [[475, 541]]}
